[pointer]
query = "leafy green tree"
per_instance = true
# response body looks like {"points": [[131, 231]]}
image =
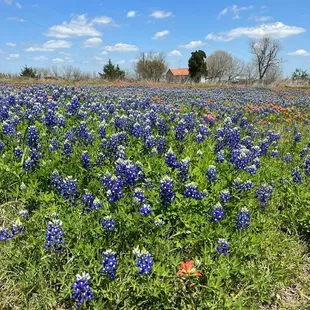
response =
{"points": [[197, 65], [112, 72], [300, 74], [28, 72]]}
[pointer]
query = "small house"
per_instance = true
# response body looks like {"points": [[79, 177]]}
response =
{"points": [[180, 75]]}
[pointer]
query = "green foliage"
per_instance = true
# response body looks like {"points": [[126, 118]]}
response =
{"points": [[112, 72], [197, 65], [300, 74], [28, 72]]}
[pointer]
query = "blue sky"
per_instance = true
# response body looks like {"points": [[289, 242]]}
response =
{"points": [[87, 33]]}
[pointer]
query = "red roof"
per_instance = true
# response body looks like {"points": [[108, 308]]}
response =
{"points": [[180, 71]]}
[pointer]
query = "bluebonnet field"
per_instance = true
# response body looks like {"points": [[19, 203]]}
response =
{"points": [[151, 198]]}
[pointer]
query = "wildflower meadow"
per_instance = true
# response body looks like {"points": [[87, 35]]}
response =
{"points": [[137, 197]]}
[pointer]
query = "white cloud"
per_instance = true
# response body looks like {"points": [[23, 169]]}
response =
{"points": [[39, 58], [18, 5], [49, 46], [10, 44], [77, 27], [175, 53], [16, 19], [261, 18], [121, 47], [160, 35], [299, 53], [161, 14], [134, 60], [58, 60], [64, 53], [2, 52], [100, 59], [121, 62], [102, 20], [193, 44], [8, 1], [131, 14], [13, 57], [235, 10], [103, 53], [92, 42], [275, 30]]}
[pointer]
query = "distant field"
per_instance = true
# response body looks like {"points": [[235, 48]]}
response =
{"points": [[151, 196]]}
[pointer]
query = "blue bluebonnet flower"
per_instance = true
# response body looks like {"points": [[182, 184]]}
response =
{"points": [[287, 157], [183, 169], [248, 185], [251, 169], [115, 187], [171, 159], [199, 138], [166, 191], [180, 130], [303, 152], [222, 246], [108, 223], [120, 153], [139, 196], [56, 181], [211, 174], [88, 200], [297, 137], [243, 219], [145, 210], [275, 153], [161, 145], [1, 146], [32, 139], [69, 189], [127, 171], [109, 263], [220, 156], [297, 177], [53, 146], [54, 235], [5, 234], [144, 261], [137, 130], [18, 153], [225, 196], [191, 191], [162, 127], [240, 157], [218, 213], [307, 166], [85, 160], [23, 213], [8, 128], [263, 194], [67, 149], [81, 289], [102, 129], [100, 159]]}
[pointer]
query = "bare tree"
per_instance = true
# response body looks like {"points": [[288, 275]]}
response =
{"points": [[236, 69], [77, 73], [219, 65], [55, 71], [67, 72], [151, 66], [265, 52], [273, 74], [250, 72]]}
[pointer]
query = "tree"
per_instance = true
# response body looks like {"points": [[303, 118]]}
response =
{"points": [[150, 66], [300, 74], [265, 52], [112, 72], [250, 72], [28, 72], [236, 69], [197, 65]]}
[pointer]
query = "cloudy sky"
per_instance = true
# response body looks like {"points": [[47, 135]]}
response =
{"points": [[87, 33]]}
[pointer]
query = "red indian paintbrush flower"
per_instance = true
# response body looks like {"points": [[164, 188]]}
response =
{"points": [[187, 269]]}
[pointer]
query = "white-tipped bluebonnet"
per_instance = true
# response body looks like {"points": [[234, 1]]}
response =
{"points": [[144, 261], [159, 222], [53, 236], [225, 196], [18, 153], [166, 191], [297, 137], [218, 213], [32, 138], [183, 169], [56, 181], [303, 152], [67, 149], [53, 146], [69, 189], [100, 159], [240, 157], [222, 246], [296, 175], [243, 219], [108, 223], [145, 210], [191, 191], [263, 195], [171, 159], [251, 169], [287, 157], [109, 263], [81, 289], [220, 156], [139, 196], [307, 166], [85, 160], [211, 174]]}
